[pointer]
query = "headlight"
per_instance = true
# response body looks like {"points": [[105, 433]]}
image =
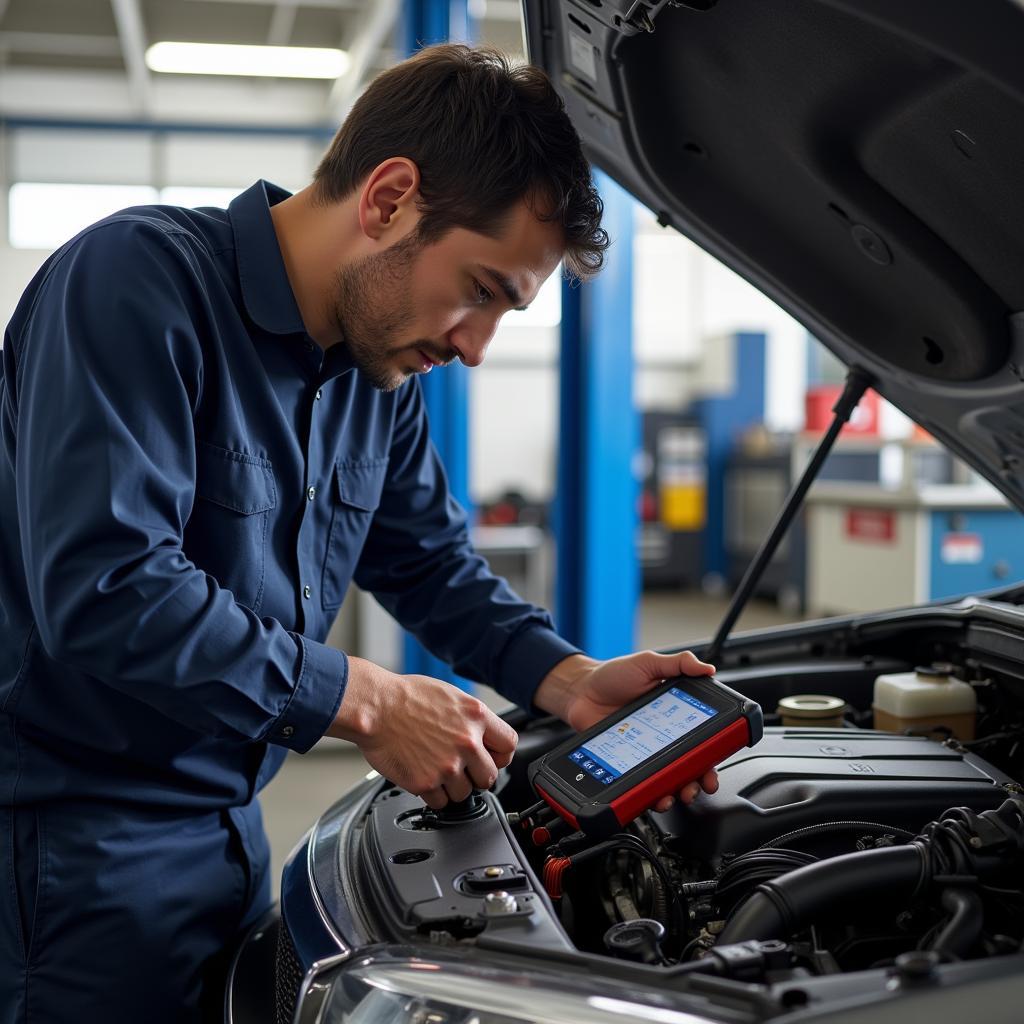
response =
{"points": [[420, 991]]}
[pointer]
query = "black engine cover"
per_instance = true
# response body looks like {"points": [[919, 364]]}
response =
{"points": [[799, 777]]}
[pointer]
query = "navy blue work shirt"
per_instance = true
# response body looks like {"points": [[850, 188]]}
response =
{"points": [[188, 484]]}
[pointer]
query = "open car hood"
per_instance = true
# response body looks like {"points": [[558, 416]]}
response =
{"points": [[861, 162]]}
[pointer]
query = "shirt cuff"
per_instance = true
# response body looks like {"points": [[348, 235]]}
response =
{"points": [[316, 698], [528, 658]]}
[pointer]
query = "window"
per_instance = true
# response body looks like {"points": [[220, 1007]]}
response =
{"points": [[193, 196], [44, 215]]}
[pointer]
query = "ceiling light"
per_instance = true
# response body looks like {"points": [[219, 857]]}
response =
{"points": [[231, 59]]}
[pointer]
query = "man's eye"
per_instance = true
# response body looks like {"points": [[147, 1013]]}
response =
{"points": [[482, 294]]}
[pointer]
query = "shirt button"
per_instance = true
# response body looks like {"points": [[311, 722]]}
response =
{"points": [[307, 591], [311, 493], [319, 393], [288, 730]]}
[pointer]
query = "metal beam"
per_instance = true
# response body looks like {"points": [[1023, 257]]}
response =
{"points": [[445, 391], [62, 44], [3, 52], [133, 44], [496, 10], [326, 5], [282, 21], [317, 132], [369, 35], [598, 573]]}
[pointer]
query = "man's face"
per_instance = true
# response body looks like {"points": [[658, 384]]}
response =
{"points": [[413, 306]]}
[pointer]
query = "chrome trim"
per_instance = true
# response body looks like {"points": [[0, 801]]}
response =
{"points": [[343, 946], [540, 995], [306, 1012]]}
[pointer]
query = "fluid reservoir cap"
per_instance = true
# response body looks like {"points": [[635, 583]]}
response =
{"points": [[811, 706], [916, 966], [938, 672], [636, 940]]}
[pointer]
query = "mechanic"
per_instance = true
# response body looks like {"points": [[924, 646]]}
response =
{"points": [[211, 424]]}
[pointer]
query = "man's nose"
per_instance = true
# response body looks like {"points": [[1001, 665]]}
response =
{"points": [[471, 341]]}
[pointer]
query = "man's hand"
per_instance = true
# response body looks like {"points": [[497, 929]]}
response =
{"points": [[422, 734], [582, 691]]}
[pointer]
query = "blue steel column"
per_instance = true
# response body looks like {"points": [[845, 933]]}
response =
{"points": [[725, 418], [596, 520], [445, 391]]}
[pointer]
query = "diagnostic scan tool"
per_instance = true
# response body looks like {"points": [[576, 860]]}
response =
{"points": [[601, 779]]}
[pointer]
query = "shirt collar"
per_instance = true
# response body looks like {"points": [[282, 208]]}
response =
{"points": [[266, 291]]}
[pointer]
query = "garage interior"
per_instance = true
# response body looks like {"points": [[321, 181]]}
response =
{"points": [[724, 400], [628, 492]]}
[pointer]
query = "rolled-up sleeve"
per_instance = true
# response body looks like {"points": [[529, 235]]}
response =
{"points": [[419, 562], [108, 381]]}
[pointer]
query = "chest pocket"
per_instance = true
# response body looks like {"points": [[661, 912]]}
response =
{"points": [[356, 494], [226, 535]]}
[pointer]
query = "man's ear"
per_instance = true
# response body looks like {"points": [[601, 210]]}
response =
{"points": [[387, 201]]}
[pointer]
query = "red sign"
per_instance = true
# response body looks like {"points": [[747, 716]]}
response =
{"points": [[818, 403], [871, 524], [962, 548]]}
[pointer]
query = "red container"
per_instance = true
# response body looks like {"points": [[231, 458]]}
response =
{"points": [[818, 403]]}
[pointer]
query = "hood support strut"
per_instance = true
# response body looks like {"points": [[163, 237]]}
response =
{"points": [[857, 382]]}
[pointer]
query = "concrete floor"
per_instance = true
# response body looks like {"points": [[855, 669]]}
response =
{"points": [[308, 784]]}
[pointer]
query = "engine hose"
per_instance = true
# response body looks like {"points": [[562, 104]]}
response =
{"points": [[963, 929], [660, 898], [787, 904], [951, 852], [836, 826]]}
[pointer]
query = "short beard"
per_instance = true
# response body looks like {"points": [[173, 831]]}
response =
{"points": [[371, 305]]}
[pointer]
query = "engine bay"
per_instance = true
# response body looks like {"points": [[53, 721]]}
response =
{"points": [[825, 851], [860, 808]]}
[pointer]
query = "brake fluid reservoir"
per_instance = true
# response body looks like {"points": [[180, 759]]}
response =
{"points": [[927, 698]]}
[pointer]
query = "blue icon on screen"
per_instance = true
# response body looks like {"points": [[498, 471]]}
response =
{"points": [[598, 772], [588, 765], [608, 779], [577, 755]]}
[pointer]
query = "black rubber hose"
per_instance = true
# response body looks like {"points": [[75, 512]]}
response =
{"points": [[963, 929], [870, 879], [829, 827]]}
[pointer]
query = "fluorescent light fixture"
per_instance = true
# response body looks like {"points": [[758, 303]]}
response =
{"points": [[261, 61]]}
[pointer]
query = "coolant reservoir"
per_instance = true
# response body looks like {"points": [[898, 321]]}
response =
{"points": [[927, 698]]}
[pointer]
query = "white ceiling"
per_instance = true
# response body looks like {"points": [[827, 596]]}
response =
{"points": [[84, 58]]}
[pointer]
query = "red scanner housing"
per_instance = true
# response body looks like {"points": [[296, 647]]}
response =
{"points": [[737, 723]]}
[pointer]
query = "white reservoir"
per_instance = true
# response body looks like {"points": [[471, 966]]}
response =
{"points": [[925, 699]]}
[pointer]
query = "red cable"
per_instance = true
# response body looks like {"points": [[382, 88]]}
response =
{"points": [[554, 868]]}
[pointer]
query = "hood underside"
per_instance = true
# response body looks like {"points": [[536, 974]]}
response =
{"points": [[861, 162]]}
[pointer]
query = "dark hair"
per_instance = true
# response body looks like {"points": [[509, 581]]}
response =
{"points": [[485, 134]]}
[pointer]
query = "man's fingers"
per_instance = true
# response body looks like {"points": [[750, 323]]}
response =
{"points": [[689, 792], [458, 788], [665, 803], [435, 798], [500, 739], [691, 665], [665, 666], [481, 771]]}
